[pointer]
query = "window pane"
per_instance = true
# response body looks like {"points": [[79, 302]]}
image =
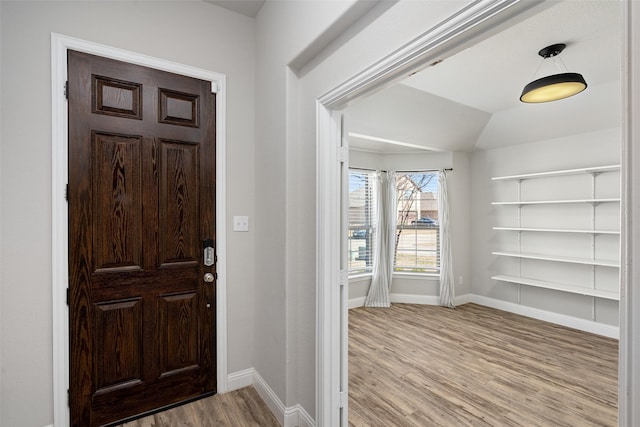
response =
{"points": [[362, 220], [418, 231]]}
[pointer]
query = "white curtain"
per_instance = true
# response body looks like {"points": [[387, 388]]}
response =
{"points": [[447, 291], [385, 242]]}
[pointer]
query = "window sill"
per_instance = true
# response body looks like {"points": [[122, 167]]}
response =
{"points": [[416, 276], [360, 277]]}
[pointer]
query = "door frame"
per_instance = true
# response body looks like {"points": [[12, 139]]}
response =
{"points": [[479, 17], [60, 44]]}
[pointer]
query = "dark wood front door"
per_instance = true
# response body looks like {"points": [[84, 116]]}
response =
{"points": [[141, 205]]}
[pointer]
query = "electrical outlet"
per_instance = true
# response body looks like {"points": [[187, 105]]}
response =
{"points": [[240, 223]]}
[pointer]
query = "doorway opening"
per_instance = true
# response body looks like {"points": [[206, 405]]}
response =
{"points": [[333, 303]]}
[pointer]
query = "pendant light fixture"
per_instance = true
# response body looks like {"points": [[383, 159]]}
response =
{"points": [[555, 86]]}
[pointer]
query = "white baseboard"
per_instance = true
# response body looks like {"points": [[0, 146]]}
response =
{"points": [[415, 299], [536, 313], [304, 419], [548, 316], [400, 299], [269, 396], [462, 299], [240, 379], [412, 299], [357, 302], [294, 416]]}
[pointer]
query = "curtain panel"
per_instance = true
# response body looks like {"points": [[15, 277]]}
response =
{"points": [[378, 295]]}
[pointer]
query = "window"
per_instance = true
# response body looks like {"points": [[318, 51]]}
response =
{"points": [[417, 224], [362, 220], [418, 230]]}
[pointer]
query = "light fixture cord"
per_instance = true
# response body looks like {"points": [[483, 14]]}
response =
{"points": [[559, 63], [537, 69]]}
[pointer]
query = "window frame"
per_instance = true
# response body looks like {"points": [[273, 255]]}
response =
{"points": [[418, 269], [369, 227]]}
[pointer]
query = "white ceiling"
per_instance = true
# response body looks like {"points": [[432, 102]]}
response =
{"points": [[450, 100], [248, 8]]}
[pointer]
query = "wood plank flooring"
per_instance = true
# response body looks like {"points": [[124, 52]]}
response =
{"points": [[418, 365], [238, 408]]}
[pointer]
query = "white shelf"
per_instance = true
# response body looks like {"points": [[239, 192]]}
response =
{"points": [[572, 260], [559, 287], [556, 202], [557, 230], [597, 169]]}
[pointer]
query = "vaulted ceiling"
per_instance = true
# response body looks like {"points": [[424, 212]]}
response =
{"points": [[248, 8], [471, 100]]}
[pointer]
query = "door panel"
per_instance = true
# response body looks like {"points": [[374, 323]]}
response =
{"points": [[119, 341], [179, 339], [178, 203], [117, 190], [141, 202]]}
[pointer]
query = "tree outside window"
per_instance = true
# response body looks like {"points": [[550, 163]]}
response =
{"points": [[417, 230]]}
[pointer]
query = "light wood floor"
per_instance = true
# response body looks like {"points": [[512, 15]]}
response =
{"points": [[238, 408], [418, 365]]}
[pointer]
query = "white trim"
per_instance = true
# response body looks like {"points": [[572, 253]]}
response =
{"points": [[269, 397], [629, 348], [357, 302], [59, 46], [476, 18], [432, 277], [535, 313], [400, 299], [462, 299], [415, 299], [240, 379], [294, 416], [548, 316], [328, 325], [303, 418]]}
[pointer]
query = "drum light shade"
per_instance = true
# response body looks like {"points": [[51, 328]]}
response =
{"points": [[555, 86]]}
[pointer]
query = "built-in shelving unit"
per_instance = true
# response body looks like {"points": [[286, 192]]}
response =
{"points": [[594, 261]]}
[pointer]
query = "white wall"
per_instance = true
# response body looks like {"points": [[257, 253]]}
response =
{"points": [[589, 149], [285, 220], [193, 33]]}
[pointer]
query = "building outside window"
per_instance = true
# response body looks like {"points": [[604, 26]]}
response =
{"points": [[362, 220], [417, 231]]}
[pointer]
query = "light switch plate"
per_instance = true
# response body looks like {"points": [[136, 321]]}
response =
{"points": [[240, 223]]}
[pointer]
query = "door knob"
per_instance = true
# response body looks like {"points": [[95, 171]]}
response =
{"points": [[208, 277]]}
